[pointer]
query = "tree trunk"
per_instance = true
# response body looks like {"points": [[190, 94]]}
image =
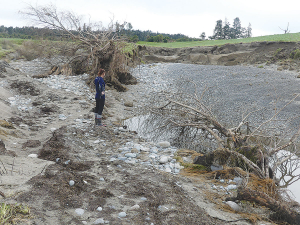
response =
{"points": [[282, 212]]}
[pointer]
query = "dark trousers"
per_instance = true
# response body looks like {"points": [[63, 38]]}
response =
{"points": [[99, 106]]}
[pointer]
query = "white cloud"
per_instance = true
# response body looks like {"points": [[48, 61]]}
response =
{"points": [[189, 17]]}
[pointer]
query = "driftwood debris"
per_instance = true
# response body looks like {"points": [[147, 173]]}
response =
{"points": [[282, 211]]}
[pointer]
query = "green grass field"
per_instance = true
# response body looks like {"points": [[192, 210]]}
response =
{"points": [[8, 45], [277, 37]]}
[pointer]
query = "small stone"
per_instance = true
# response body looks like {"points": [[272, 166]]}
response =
{"points": [[145, 149], [71, 182], [101, 179], [168, 170], [32, 155], [122, 214], [154, 150], [122, 158], [137, 146], [231, 187], [164, 144], [97, 142], [134, 150], [67, 162], [122, 129], [79, 211], [62, 117], [99, 209], [134, 207], [238, 180], [233, 205], [112, 159], [214, 168], [53, 129], [130, 155], [128, 104], [163, 159], [143, 199], [99, 221]]}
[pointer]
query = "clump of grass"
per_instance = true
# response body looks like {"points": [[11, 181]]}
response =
{"points": [[6, 124], [277, 51], [6, 44], [10, 213], [188, 165], [295, 54]]}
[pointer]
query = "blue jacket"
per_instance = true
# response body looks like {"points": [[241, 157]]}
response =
{"points": [[100, 87]]}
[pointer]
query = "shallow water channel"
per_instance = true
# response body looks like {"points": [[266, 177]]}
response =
{"points": [[233, 91]]}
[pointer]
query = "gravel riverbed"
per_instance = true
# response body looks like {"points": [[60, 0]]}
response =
{"points": [[129, 180], [232, 90]]}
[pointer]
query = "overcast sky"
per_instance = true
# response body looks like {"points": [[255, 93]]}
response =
{"points": [[188, 17]]}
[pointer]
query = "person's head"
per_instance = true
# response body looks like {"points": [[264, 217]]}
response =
{"points": [[101, 73]]}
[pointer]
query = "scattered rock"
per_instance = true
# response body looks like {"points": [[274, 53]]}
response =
{"points": [[33, 156], [71, 182], [99, 221], [164, 144], [79, 211], [234, 206], [122, 214], [128, 104], [164, 159]]}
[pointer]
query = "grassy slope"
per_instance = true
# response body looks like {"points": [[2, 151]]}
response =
{"points": [[277, 37], [8, 45]]}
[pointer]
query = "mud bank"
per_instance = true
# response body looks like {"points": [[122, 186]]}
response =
{"points": [[256, 53]]}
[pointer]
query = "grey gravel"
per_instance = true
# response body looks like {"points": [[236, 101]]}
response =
{"points": [[233, 91]]}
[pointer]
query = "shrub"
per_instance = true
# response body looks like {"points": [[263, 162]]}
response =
{"points": [[34, 49], [6, 44]]}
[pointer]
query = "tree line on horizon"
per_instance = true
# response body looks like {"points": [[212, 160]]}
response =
{"points": [[125, 30], [221, 31]]}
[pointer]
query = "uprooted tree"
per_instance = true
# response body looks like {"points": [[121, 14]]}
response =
{"points": [[188, 120], [90, 46]]}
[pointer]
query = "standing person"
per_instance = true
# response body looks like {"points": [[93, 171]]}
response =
{"points": [[100, 96]]}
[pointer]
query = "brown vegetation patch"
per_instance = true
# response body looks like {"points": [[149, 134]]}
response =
{"points": [[25, 87], [80, 166], [55, 147], [103, 193], [2, 147], [31, 144], [6, 124], [48, 109], [55, 183]]}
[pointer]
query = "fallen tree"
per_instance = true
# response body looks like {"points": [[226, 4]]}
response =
{"points": [[89, 46], [187, 118]]}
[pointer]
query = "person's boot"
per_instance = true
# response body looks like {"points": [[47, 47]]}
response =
{"points": [[100, 122], [96, 119]]}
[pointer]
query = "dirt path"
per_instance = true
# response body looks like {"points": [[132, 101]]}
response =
{"points": [[79, 176]]}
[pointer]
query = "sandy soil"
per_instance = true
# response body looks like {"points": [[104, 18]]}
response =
{"points": [[146, 195]]}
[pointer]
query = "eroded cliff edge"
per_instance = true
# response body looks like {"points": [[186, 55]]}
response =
{"points": [[285, 55]]}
